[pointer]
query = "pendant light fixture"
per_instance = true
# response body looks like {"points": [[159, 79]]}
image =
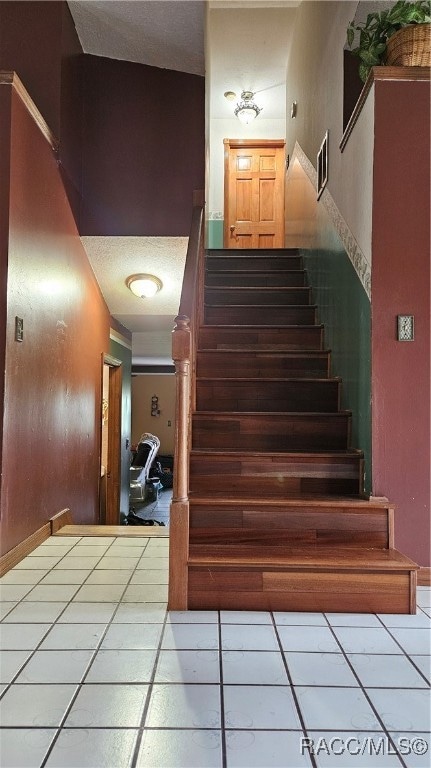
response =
{"points": [[247, 110]]}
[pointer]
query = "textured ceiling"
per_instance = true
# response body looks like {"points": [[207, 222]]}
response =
{"points": [[160, 33], [151, 320]]}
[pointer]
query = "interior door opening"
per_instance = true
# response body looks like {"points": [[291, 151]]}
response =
{"points": [[110, 453]]}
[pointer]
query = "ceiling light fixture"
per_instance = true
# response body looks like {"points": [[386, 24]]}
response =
{"points": [[246, 110], [144, 286]]}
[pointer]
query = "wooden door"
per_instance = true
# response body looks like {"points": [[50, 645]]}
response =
{"points": [[254, 193], [110, 480]]}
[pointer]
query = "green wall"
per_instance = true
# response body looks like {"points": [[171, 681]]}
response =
{"points": [[344, 308], [214, 231]]}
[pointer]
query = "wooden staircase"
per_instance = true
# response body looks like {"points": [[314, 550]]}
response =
{"points": [[278, 519]]}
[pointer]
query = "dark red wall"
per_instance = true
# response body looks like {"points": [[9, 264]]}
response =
{"points": [[131, 137], [39, 42], [401, 285], [143, 154], [30, 45], [51, 437]]}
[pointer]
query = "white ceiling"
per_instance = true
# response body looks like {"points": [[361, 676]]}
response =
{"points": [[248, 50], [160, 33]]}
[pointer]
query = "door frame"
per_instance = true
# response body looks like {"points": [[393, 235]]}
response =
{"points": [[113, 474], [241, 144]]}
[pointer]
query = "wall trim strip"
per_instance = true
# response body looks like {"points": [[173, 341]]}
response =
{"points": [[119, 338], [12, 79], [355, 254]]}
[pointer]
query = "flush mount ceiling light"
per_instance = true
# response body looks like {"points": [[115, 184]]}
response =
{"points": [[246, 110], [144, 286]]}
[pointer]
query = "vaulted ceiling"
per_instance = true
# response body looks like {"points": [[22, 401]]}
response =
{"points": [[170, 34]]}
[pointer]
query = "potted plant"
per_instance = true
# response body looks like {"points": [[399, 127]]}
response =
{"points": [[375, 46]]}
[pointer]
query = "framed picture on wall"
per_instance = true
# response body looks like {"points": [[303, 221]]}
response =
{"points": [[322, 165]]}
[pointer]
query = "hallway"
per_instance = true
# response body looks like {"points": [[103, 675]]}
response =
{"points": [[96, 674]]}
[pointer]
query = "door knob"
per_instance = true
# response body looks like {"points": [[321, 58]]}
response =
{"points": [[232, 227]]}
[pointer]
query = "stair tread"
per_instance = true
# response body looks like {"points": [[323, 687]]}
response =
{"points": [[271, 414], [271, 306], [303, 500], [251, 253], [276, 352], [261, 327], [226, 270], [316, 557], [352, 452], [266, 378]]}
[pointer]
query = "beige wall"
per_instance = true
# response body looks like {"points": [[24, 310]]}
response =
{"points": [[316, 59], [143, 388]]}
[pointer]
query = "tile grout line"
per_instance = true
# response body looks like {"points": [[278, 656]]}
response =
{"points": [[68, 709], [292, 688], [141, 727], [221, 693], [367, 697], [84, 675]]}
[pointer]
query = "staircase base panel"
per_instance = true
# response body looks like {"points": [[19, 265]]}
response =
{"points": [[269, 589]]}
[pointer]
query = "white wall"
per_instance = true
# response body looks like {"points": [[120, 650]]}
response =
{"points": [[315, 81], [246, 49], [143, 388]]}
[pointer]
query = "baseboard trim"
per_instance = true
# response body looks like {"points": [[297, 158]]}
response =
{"points": [[60, 519], [424, 577], [15, 555], [24, 548]]}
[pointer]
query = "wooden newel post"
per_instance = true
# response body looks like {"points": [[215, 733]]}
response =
{"points": [[179, 517], [181, 350]]}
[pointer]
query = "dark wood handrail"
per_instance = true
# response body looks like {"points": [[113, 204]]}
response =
{"points": [[184, 343]]}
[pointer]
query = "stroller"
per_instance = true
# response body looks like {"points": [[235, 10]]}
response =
{"points": [[143, 487], [141, 465]]}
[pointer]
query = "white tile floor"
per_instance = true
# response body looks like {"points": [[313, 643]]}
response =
{"points": [[96, 674]]}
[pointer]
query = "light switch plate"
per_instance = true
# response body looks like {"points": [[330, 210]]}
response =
{"points": [[405, 327]]}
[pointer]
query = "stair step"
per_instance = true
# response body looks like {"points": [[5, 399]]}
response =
{"points": [[261, 315], [253, 261], [300, 578], [271, 431], [274, 523], [275, 278], [257, 296], [275, 475], [231, 363], [268, 395], [255, 337]]}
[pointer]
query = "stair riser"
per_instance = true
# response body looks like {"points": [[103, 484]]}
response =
{"points": [[273, 488], [256, 264], [268, 589], [286, 338], [252, 315], [267, 396], [288, 465], [272, 526], [253, 364], [262, 297], [261, 433], [265, 279]]}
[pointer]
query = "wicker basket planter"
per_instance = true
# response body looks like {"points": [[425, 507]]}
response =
{"points": [[410, 47]]}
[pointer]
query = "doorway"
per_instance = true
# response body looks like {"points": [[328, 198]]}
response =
{"points": [[254, 193], [110, 453]]}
